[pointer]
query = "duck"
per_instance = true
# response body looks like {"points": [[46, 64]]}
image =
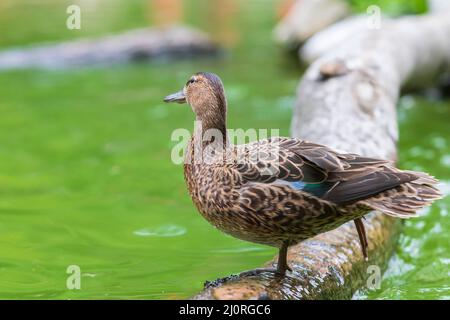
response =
{"points": [[280, 191]]}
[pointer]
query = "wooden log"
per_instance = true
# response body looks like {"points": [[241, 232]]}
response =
{"points": [[141, 44], [347, 100]]}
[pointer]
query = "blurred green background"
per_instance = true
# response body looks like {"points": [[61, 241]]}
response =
{"points": [[85, 171]]}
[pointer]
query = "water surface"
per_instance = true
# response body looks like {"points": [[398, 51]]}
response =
{"points": [[86, 177]]}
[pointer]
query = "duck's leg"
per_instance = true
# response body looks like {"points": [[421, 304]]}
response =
{"points": [[362, 237], [282, 264], [282, 259]]}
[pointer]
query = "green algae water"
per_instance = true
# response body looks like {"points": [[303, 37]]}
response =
{"points": [[86, 177]]}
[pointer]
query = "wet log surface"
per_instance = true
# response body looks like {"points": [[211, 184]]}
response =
{"points": [[136, 45], [347, 100]]}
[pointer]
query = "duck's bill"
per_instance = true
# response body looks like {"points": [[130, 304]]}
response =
{"points": [[178, 97]]}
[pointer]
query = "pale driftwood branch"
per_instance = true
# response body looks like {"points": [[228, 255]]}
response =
{"points": [[142, 44], [347, 100]]}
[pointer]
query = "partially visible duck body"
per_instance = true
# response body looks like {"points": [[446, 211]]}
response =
{"points": [[281, 191]]}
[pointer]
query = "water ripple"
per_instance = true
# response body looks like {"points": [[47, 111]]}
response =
{"points": [[238, 250], [169, 230]]}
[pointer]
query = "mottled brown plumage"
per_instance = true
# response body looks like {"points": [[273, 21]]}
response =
{"points": [[280, 191]]}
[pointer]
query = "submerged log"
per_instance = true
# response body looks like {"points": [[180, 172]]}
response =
{"points": [[347, 100], [142, 44]]}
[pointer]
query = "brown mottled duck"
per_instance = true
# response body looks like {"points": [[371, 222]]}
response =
{"points": [[281, 191]]}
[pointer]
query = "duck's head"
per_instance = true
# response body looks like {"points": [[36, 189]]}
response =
{"points": [[204, 92]]}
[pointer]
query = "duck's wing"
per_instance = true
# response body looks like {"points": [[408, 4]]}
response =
{"points": [[337, 177], [272, 159]]}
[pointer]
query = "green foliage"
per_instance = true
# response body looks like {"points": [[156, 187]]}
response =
{"points": [[391, 7]]}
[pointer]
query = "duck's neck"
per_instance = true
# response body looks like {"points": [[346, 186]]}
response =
{"points": [[211, 132]]}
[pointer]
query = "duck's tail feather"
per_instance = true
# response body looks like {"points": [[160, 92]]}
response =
{"points": [[404, 200]]}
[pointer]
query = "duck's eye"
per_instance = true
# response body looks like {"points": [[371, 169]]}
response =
{"points": [[191, 81]]}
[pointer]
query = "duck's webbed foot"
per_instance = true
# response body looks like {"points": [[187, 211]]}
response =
{"points": [[219, 281], [248, 273], [282, 265], [258, 271], [280, 271]]}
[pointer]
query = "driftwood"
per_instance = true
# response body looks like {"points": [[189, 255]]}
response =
{"points": [[347, 100], [141, 44]]}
